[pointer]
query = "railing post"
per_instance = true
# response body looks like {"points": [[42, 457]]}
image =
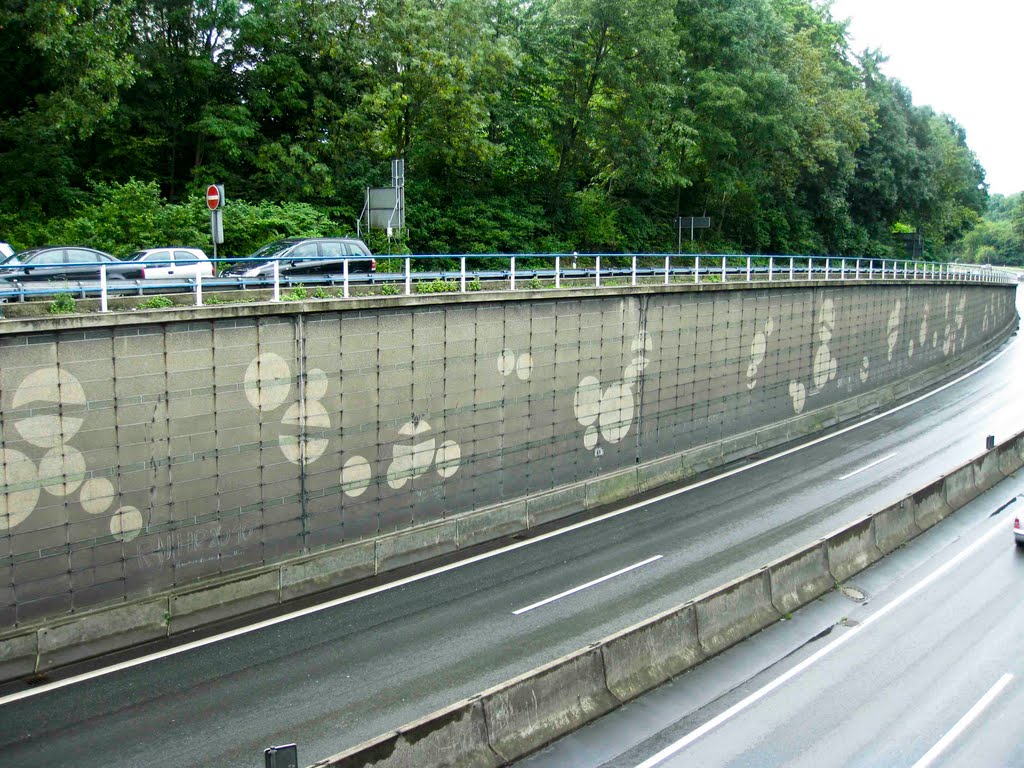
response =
{"points": [[724, 275], [344, 279], [791, 269], [827, 260], [842, 268], [103, 287], [199, 289], [462, 274], [771, 267], [667, 258], [748, 269], [810, 267], [558, 271], [696, 269], [597, 271], [277, 281], [634, 269], [408, 276], [856, 274], [512, 268]]}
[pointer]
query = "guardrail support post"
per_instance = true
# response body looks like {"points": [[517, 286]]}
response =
{"points": [[344, 275], [696, 269], [462, 274], [199, 289], [748, 269], [634, 270], [667, 258], [103, 287], [856, 274], [724, 277], [771, 268], [597, 272], [408, 276], [512, 270], [791, 269], [277, 281], [827, 264]]}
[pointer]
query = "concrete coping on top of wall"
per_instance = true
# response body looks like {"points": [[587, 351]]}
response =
{"points": [[40, 647], [265, 308], [524, 714]]}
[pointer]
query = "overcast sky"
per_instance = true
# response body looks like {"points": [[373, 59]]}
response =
{"points": [[962, 58]]}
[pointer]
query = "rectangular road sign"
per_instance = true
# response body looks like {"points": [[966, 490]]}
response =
{"points": [[694, 222]]}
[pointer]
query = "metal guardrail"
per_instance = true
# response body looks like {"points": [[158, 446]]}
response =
{"points": [[565, 271]]}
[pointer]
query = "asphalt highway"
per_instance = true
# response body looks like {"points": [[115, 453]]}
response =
{"points": [[331, 679], [922, 672]]}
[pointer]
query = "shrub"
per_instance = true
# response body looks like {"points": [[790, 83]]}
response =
{"points": [[157, 302], [437, 286], [298, 293], [63, 304], [389, 289]]}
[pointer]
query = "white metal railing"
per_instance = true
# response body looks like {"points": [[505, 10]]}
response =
{"points": [[594, 270]]}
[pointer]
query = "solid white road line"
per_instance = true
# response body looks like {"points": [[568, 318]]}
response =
{"points": [[869, 466], [588, 585], [735, 709], [38, 690], [972, 715]]}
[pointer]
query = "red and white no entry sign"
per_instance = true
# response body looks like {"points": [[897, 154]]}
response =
{"points": [[214, 197]]}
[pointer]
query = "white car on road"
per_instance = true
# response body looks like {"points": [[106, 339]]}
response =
{"points": [[170, 263]]}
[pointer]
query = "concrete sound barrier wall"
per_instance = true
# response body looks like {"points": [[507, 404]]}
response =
{"points": [[541, 705], [200, 463]]}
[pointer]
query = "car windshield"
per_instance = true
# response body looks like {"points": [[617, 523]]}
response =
{"points": [[270, 250], [136, 256], [18, 258]]}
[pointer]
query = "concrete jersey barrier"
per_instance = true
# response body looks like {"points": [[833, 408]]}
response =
{"points": [[544, 704]]}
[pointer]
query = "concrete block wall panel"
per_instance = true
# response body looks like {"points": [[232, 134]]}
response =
{"points": [[146, 454]]}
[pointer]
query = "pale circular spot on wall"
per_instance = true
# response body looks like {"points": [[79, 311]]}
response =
{"points": [[616, 412], [506, 362], [910, 348], [823, 369], [590, 438], [62, 470], [316, 385], [48, 431], [19, 474], [586, 402], [126, 523], [447, 460], [865, 366], [758, 347], [524, 366], [316, 420], [267, 381], [355, 476], [97, 495], [798, 392]]}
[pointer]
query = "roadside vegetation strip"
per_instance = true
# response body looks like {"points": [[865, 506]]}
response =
{"points": [[539, 706]]}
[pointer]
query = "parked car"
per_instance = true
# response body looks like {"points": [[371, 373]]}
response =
{"points": [[64, 262], [307, 256], [173, 262]]}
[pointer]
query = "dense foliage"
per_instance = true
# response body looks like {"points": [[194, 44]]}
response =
{"points": [[526, 125], [999, 237]]}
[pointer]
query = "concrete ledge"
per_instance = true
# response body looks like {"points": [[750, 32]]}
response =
{"points": [[986, 471], [556, 504], [799, 578], [852, 549], [455, 737], [929, 505], [211, 603], [331, 569], [895, 526], [18, 654], [1010, 458], [647, 654], [959, 486], [613, 487], [734, 612], [491, 523], [100, 632], [416, 544], [654, 474], [535, 708]]}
